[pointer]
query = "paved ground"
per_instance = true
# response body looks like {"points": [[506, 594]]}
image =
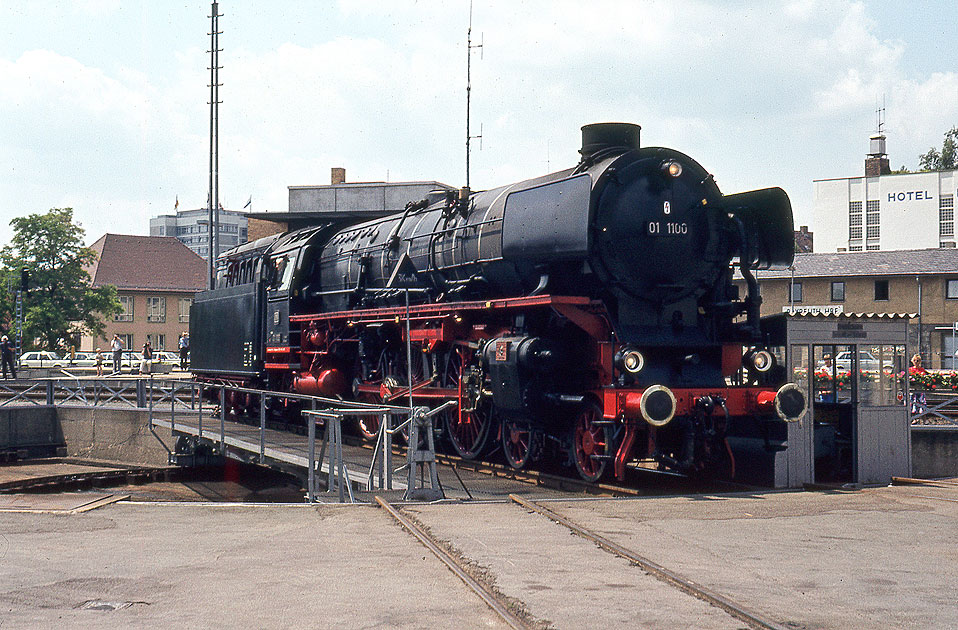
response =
{"points": [[872, 558]]}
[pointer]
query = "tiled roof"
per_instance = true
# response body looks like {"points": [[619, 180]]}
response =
{"points": [[147, 263], [907, 262]]}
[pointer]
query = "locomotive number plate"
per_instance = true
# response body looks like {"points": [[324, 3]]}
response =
{"points": [[502, 351], [667, 228]]}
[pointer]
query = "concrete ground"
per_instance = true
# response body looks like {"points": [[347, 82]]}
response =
{"points": [[881, 557]]}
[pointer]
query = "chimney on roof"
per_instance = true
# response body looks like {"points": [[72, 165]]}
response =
{"points": [[877, 161], [804, 241], [338, 175]]}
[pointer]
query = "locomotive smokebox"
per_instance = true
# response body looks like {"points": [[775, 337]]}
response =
{"points": [[599, 136]]}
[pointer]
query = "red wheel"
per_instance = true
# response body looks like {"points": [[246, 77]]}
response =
{"points": [[591, 442], [368, 426], [518, 443], [468, 423]]}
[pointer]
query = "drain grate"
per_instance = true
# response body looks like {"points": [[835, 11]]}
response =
{"points": [[99, 604]]}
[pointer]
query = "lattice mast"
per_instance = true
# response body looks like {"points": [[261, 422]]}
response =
{"points": [[213, 198]]}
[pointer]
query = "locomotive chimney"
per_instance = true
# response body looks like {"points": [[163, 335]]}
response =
{"points": [[599, 136], [338, 175]]}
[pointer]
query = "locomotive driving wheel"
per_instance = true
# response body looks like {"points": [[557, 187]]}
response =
{"points": [[519, 443], [468, 423], [368, 426], [591, 446]]}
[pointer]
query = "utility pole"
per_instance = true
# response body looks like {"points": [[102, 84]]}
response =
{"points": [[213, 199]]}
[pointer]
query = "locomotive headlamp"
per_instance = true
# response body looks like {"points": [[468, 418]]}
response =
{"points": [[672, 168], [633, 361], [759, 360], [629, 360]]}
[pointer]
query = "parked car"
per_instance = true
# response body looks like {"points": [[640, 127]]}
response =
{"points": [[81, 359], [866, 361], [170, 358], [41, 359], [129, 360]]}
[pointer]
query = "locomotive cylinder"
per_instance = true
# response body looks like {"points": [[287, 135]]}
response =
{"points": [[330, 382]]}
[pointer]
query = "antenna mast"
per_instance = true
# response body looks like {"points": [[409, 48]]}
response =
{"points": [[881, 117], [469, 48], [213, 199]]}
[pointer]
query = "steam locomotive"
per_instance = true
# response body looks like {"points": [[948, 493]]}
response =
{"points": [[587, 317]]}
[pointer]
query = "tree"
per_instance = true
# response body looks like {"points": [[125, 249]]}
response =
{"points": [[944, 160], [61, 302]]}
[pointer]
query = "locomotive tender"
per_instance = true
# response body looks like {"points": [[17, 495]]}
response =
{"points": [[588, 316]]}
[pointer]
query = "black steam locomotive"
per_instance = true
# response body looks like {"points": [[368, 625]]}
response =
{"points": [[588, 316]]}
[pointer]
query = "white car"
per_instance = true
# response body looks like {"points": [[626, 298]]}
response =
{"points": [[866, 361], [41, 359], [81, 359], [164, 356], [129, 359]]}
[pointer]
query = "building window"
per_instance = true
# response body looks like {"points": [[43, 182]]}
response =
{"points": [[873, 248], [838, 292], [872, 231], [854, 248], [854, 220], [946, 215], [796, 292], [881, 290], [127, 341], [951, 289], [126, 309], [185, 304], [156, 309], [157, 341]]}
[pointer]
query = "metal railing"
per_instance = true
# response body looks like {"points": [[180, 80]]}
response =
{"points": [[207, 405], [933, 408]]}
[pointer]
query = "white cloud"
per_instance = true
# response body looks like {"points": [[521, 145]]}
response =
{"points": [[760, 93]]}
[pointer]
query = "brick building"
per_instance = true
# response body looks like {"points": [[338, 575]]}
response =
{"points": [[923, 282], [156, 278]]}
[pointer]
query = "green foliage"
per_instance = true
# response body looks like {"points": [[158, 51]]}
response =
{"points": [[944, 160], [61, 303]]}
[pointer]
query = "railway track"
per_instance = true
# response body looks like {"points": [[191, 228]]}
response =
{"points": [[495, 600], [99, 476], [515, 615], [740, 612], [665, 482]]}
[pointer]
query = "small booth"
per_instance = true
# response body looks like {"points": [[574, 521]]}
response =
{"points": [[854, 370]]}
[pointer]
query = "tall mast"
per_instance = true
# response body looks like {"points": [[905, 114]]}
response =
{"points": [[469, 48], [213, 198]]}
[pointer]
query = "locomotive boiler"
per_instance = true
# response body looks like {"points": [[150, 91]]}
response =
{"points": [[587, 317]]}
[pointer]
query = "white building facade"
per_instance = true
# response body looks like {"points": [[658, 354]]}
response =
{"points": [[884, 211], [191, 227]]}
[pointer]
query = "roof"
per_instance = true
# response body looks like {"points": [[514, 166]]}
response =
{"points": [[851, 315], [158, 263], [907, 262]]}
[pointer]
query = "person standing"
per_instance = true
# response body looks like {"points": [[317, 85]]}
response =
{"points": [[184, 345], [147, 362], [99, 362], [117, 346], [8, 360]]}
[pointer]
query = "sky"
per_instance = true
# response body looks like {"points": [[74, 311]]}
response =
{"points": [[104, 104]]}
